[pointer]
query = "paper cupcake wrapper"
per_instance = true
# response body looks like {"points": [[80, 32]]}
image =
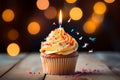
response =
{"points": [[59, 66]]}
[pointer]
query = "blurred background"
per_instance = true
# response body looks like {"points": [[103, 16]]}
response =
{"points": [[25, 23]]}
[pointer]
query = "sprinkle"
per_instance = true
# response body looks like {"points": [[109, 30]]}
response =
{"points": [[72, 30], [76, 75], [48, 44], [60, 44], [90, 51], [80, 38], [77, 33], [63, 38], [94, 70], [34, 72], [56, 34], [69, 20], [85, 45], [30, 72], [63, 46], [38, 72], [54, 23], [92, 39], [34, 69], [84, 70], [79, 73]]}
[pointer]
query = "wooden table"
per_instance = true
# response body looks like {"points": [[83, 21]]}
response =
{"points": [[28, 67]]}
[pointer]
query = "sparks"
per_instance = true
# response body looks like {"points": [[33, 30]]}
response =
{"points": [[90, 51], [80, 38], [72, 30], [92, 39], [54, 23], [85, 45], [77, 33], [69, 20]]}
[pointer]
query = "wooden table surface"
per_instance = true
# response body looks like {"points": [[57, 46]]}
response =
{"points": [[28, 66]]}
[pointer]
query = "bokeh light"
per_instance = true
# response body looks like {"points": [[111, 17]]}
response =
{"points": [[70, 1], [109, 1], [99, 8], [13, 34], [33, 28], [90, 27], [13, 49], [76, 13], [50, 13], [97, 18], [42, 4], [8, 15]]}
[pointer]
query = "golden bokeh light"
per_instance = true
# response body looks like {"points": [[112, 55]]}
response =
{"points": [[50, 13], [13, 34], [90, 27], [76, 13], [33, 28], [97, 18], [99, 8], [109, 1], [70, 1], [42, 4], [8, 15], [13, 49]]}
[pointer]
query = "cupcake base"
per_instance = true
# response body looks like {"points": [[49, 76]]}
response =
{"points": [[59, 66]]}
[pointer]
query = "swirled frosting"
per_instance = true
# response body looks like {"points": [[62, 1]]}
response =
{"points": [[59, 42]]}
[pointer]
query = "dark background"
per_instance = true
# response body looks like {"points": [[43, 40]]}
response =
{"points": [[107, 37]]}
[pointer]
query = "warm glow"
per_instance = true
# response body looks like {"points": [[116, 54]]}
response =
{"points": [[76, 13], [60, 17], [8, 15], [97, 18], [50, 13], [33, 28], [42, 4], [13, 49], [70, 1], [13, 34], [109, 1], [99, 8], [90, 27]]}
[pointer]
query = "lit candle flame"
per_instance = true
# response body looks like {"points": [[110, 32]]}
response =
{"points": [[60, 18]]}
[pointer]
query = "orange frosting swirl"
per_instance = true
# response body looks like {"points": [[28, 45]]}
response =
{"points": [[59, 42]]}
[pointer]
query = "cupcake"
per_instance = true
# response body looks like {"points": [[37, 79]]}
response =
{"points": [[59, 53]]}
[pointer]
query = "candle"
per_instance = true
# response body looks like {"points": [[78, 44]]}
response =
{"points": [[60, 19]]}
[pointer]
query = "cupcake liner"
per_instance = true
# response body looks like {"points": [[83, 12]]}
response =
{"points": [[60, 66]]}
